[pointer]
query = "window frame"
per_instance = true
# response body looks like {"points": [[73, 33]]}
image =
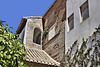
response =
{"points": [[71, 18], [83, 7]]}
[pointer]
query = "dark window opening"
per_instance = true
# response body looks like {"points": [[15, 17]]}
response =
{"points": [[37, 36], [84, 11], [71, 22]]}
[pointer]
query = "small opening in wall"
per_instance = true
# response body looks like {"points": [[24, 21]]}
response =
{"points": [[84, 11], [71, 22], [37, 36]]}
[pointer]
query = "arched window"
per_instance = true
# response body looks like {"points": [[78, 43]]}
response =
{"points": [[37, 36]]}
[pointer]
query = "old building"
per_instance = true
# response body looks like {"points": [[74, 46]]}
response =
{"points": [[54, 21], [44, 36], [49, 38], [30, 30], [82, 17]]}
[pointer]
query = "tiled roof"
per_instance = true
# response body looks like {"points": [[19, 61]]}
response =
{"points": [[40, 56]]}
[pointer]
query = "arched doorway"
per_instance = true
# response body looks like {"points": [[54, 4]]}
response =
{"points": [[37, 36]]}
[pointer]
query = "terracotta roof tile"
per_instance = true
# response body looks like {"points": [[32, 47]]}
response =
{"points": [[40, 56]]}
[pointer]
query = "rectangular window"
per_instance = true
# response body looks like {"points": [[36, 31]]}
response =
{"points": [[84, 11], [51, 34], [71, 22]]}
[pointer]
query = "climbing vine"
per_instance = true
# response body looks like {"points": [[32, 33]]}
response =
{"points": [[84, 55], [45, 32]]}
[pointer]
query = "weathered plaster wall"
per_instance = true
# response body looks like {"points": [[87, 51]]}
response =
{"points": [[81, 29], [53, 44], [21, 34], [31, 24], [86, 56]]}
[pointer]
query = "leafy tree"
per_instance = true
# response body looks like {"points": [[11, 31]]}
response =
{"points": [[12, 52]]}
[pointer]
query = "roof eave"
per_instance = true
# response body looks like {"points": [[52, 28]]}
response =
{"points": [[49, 8]]}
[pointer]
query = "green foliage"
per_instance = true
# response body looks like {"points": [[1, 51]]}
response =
{"points": [[1, 23], [82, 56], [45, 32], [63, 64], [12, 52]]}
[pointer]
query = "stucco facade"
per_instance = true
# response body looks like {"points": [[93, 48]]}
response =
{"points": [[88, 55], [82, 29], [31, 24], [28, 32]]}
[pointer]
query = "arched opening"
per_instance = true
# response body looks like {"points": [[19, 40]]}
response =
{"points": [[37, 36]]}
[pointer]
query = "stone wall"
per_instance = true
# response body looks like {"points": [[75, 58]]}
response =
{"points": [[31, 24], [53, 44]]}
